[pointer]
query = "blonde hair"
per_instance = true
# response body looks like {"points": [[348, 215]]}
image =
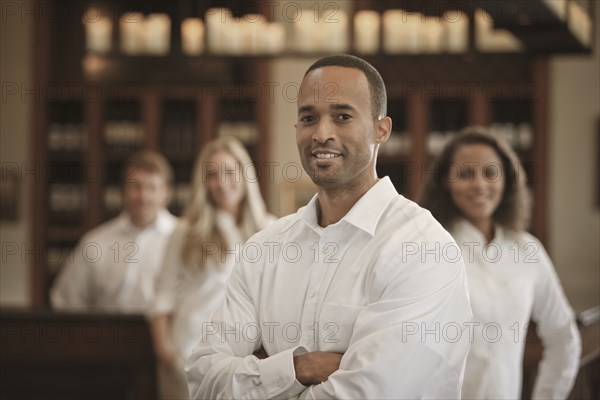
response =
{"points": [[201, 214]]}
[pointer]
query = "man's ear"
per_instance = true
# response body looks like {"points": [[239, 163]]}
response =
{"points": [[383, 129]]}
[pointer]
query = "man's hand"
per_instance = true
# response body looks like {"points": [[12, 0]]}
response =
{"points": [[261, 353], [315, 367]]}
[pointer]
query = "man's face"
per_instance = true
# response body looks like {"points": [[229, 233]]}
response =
{"points": [[144, 194], [336, 133]]}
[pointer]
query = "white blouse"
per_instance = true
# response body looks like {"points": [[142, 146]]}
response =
{"points": [[191, 293], [368, 286], [512, 281]]}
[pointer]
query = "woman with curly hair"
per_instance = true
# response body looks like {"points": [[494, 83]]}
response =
{"points": [[478, 194]]}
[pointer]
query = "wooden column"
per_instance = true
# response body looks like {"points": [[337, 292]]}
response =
{"points": [[418, 128], [540, 149]]}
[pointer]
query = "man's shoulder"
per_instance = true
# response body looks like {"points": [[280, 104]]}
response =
{"points": [[408, 218], [105, 230]]}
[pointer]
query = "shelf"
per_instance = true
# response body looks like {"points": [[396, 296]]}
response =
{"points": [[115, 155], [540, 29], [171, 69], [65, 217], [73, 156], [176, 93]]}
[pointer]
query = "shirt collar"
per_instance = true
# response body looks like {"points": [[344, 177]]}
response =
{"points": [[469, 232], [164, 223], [365, 214]]}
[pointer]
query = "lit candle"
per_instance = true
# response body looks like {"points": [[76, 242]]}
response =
{"points": [[306, 33], [490, 39], [392, 31], [412, 33], [252, 27], [131, 31], [215, 19], [273, 40], [98, 35], [232, 34], [192, 36], [367, 27], [457, 31], [432, 35], [559, 7], [335, 35], [402, 31], [580, 24], [157, 33]]}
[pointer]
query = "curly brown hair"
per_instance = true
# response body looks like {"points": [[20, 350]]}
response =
{"points": [[514, 210]]}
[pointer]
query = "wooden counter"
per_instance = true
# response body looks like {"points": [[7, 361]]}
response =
{"points": [[51, 355]]}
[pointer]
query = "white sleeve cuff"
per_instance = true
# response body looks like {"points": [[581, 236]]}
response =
{"points": [[279, 376]]}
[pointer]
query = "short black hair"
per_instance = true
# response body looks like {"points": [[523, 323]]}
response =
{"points": [[374, 79]]}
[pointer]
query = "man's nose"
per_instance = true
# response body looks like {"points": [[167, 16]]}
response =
{"points": [[324, 131]]}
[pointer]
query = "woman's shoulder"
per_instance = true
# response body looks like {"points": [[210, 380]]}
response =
{"points": [[520, 236]]}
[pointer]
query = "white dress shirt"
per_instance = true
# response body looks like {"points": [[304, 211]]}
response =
{"points": [[114, 266], [512, 280], [365, 286]]}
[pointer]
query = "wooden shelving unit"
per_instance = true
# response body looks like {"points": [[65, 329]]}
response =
{"points": [[178, 103]]}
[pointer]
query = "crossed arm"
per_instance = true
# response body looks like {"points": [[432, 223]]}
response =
{"points": [[313, 367], [381, 360]]}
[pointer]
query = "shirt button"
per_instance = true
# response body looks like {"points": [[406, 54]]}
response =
{"points": [[281, 382], [312, 293]]}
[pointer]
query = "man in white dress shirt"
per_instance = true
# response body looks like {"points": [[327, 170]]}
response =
{"points": [[350, 297], [115, 265]]}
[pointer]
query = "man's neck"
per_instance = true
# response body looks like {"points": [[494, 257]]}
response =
{"points": [[141, 225], [334, 204]]}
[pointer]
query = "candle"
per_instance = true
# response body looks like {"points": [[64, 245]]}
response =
{"points": [[490, 39], [580, 24], [253, 25], [367, 27], [216, 18], [232, 35], [392, 31], [402, 32], [157, 33], [307, 35], [412, 32], [457, 31], [192, 36], [334, 31], [559, 7], [432, 30], [131, 31], [98, 35], [273, 38]]}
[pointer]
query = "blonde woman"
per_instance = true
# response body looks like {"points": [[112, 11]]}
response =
{"points": [[478, 193], [225, 210]]}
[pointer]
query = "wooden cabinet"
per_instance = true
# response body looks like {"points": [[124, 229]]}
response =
{"points": [[95, 111], [98, 109]]}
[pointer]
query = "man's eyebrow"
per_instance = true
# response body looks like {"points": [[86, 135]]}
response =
{"points": [[342, 107], [304, 109]]}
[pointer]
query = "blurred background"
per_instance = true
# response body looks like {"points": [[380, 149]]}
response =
{"points": [[86, 83]]}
